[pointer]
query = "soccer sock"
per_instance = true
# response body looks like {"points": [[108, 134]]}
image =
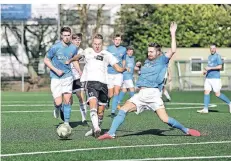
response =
{"points": [[67, 112], [83, 110], [131, 94], [94, 118], [206, 101], [175, 124], [118, 120], [121, 96], [167, 95], [114, 103], [224, 98]]}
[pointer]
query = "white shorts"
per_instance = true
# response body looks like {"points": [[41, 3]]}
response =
{"points": [[128, 84], [114, 80], [214, 84], [60, 86], [147, 98]]}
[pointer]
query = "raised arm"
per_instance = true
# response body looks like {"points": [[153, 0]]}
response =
{"points": [[172, 51]]}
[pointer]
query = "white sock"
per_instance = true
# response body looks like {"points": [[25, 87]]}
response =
{"points": [[83, 111], [94, 118], [167, 95]]}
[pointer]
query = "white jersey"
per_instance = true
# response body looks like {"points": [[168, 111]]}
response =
{"points": [[75, 73], [95, 68]]}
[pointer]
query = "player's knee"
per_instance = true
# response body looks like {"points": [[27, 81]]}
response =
{"points": [[206, 92], [217, 94]]}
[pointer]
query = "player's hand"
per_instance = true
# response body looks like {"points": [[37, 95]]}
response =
{"points": [[59, 72], [207, 68], [67, 62], [138, 64], [204, 72], [128, 69], [80, 72], [173, 27]]}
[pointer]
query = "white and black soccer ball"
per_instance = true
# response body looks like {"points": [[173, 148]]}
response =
{"points": [[64, 131]]}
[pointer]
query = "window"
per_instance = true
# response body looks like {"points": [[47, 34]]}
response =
{"points": [[196, 64]]}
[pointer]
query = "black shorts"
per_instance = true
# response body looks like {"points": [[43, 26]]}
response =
{"points": [[98, 90], [77, 86]]}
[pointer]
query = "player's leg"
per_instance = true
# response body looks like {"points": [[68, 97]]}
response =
{"points": [[57, 96], [207, 89], [217, 88], [83, 106], [117, 85], [118, 120], [131, 87], [162, 114], [121, 96], [67, 84], [110, 88]]}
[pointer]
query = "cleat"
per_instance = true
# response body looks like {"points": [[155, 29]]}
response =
{"points": [[89, 133], [84, 123], [113, 115], [97, 133], [56, 113], [118, 107], [61, 115], [106, 136], [192, 132], [202, 111]]}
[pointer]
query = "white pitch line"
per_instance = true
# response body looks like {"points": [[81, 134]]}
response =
{"points": [[43, 111], [114, 147], [175, 158]]}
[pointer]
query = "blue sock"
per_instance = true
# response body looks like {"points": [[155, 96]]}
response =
{"points": [[117, 121], [114, 103], [224, 98], [121, 96], [67, 112], [206, 101], [131, 94], [175, 124]]}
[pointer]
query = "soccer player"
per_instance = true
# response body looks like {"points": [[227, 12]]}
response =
{"points": [[115, 78], [150, 83], [61, 74], [128, 76], [78, 88], [213, 80], [95, 78]]}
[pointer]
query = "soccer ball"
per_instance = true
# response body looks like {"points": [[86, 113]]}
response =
{"points": [[64, 131]]}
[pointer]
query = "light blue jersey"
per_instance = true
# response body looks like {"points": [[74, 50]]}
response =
{"points": [[130, 63], [119, 53], [213, 61], [59, 54], [153, 72]]}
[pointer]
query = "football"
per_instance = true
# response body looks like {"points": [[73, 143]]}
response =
{"points": [[64, 131]]}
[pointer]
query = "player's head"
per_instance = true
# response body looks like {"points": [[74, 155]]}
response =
{"points": [[66, 34], [213, 49], [117, 39], [130, 51], [97, 43], [77, 39], [154, 50]]}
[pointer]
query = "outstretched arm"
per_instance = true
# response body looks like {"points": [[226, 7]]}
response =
{"points": [[172, 51]]}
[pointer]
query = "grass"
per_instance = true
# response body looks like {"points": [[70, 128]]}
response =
{"points": [[141, 136]]}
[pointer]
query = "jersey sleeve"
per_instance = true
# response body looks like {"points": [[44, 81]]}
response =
{"points": [[219, 60], [51, 53], [111, 59]]}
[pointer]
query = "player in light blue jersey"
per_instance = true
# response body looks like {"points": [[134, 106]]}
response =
{"points": [[115, 78], [213, 80], [128, 76], [61, 74], [150, 82]]}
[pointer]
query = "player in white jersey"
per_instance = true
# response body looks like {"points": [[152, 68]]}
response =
{"points": [[78, 88], [95, 78]]}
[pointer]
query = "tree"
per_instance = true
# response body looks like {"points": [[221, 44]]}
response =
{"points": [[198, 25]]}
